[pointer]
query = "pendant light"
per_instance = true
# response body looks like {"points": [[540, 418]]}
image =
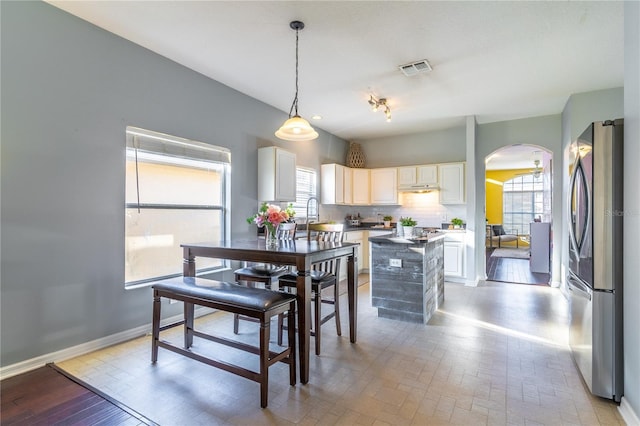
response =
{"points": [[296, 128]]}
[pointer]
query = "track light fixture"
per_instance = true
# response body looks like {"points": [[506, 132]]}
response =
{"points": [[296, 128], [380, 103]]}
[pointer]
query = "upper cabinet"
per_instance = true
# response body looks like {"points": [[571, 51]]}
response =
{"points": [[417, 175], [276, 174], [452, 183], [384, 187], [332, 182], [360, 181]]}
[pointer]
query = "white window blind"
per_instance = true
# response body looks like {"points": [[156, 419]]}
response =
{"points": [[305, 189], [175, 194]]}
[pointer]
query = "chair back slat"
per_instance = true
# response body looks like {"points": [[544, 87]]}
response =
{"points": [[325, 232], [286, 231]]}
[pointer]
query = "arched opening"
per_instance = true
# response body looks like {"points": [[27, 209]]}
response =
{"points": [[518, 214]]}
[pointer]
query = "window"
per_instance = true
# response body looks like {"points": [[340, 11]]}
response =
{"points": [[305, 189], [521, 203], [175, 193]]}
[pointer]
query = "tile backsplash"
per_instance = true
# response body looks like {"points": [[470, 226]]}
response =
{"points": [[422, 207]]}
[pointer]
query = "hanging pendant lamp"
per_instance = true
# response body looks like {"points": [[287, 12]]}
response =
{"points": [[296, 128]]}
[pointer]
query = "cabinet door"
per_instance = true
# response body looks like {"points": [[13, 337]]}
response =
{"points": [[276, 174], [407, 175], [451, 177], [285, 176], [427, 175], [348, 186], [453, 258], [384, 187], [360, 186], [332, 183]]}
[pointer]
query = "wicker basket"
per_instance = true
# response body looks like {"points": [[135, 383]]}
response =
{"points": [[355, 156]]}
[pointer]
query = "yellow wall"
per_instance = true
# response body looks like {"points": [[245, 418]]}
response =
{"points": [[493, 188]]}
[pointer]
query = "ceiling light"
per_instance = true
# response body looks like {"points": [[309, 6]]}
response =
{"points": [[380, 103], [296, 128]]}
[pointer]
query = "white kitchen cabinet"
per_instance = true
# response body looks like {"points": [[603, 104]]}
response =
{"points": [[366, 261], [418, 175], [384, 187], [332, 184], [360, 180], [348, 186], [452, 183], [276, 174], [454, 248], [358, 238]]}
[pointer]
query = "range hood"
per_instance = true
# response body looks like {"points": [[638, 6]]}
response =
{"points": [[418, 188]]}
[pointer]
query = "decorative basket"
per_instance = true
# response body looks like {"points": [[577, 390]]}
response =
{"points": [[355, 156]]}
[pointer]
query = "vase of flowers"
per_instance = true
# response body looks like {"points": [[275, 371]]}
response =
{"points": [[269, 216]]}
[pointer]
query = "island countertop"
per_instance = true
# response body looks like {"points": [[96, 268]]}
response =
{"points": [[393, 239]]}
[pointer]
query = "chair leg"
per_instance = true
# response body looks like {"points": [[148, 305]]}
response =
{"points": [[236, 323], [318, 318], [336, 307], [280, 328]]}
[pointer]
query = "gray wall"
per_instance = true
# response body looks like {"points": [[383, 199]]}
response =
{"points": [[442, 146], [69, 89], [632, 205]]}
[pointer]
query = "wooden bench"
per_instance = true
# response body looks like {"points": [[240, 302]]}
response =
{"points": [[255, 303]]}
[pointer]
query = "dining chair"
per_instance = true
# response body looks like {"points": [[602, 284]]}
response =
{"points": [[263, 273], [323, 275]]}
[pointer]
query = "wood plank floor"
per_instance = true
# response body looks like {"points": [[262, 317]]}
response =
{"points": [[517, 271], [45, 396]]}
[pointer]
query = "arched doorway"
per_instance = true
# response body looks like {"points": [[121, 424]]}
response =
{"points": [[518, 187]]}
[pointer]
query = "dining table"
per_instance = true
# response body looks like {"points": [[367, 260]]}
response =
{"points": [[301, 254]]}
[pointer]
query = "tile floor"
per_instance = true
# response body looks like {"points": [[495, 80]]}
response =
{"points": [[495, 354]]}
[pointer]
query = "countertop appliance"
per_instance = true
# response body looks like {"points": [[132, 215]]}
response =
{"points": [[595, 257]]}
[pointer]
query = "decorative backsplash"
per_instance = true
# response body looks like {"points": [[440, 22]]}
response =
{"points": [[425, 208]]}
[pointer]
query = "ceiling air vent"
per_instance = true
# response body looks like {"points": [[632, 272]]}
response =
{"points": [[414, 68]]}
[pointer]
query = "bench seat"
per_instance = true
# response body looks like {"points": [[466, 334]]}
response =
{"points": [[257, 303]]}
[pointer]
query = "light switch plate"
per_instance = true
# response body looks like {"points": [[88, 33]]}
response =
{"points": [[395, 262]]}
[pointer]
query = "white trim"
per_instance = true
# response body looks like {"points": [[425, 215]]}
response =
{"points": [[630, 417], [85, 348]]}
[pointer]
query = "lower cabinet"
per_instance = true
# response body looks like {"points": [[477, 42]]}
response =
{"points": [[454, 248], [353, 237]]}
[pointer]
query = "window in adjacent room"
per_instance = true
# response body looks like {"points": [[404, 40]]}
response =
{"points": [[305, 189], [522, 199], [176, 192]]}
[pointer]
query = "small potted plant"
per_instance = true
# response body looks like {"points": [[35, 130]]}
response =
{"points": [[407, 226], [387, 221], [457, 223]]}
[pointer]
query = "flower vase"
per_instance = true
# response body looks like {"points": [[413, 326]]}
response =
{"points": [[271, 239]]}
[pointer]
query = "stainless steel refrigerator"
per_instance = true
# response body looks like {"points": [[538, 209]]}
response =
{"points": [[595, 257]]}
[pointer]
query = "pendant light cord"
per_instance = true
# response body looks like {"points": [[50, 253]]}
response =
{"points": [[294, 105]]}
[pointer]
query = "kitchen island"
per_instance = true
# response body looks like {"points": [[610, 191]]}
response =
{"points": [[407, 276]]}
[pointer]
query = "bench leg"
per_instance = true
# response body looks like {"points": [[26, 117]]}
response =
{"points": [[155, 328], [188, 324], [264, 360]]}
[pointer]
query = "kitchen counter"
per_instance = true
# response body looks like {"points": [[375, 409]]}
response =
{"points": [[407, 276]]}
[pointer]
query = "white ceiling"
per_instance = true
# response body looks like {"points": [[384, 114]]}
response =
{"points": [[495, 60]]}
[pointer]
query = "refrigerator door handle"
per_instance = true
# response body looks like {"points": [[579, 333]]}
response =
{"points": [[578, 286]]}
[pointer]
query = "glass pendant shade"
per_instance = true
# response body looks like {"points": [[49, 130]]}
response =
{"points": [[296, 129]]}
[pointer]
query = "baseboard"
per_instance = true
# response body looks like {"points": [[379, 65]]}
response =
{"points": [[85, 348], [629, 416]]}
